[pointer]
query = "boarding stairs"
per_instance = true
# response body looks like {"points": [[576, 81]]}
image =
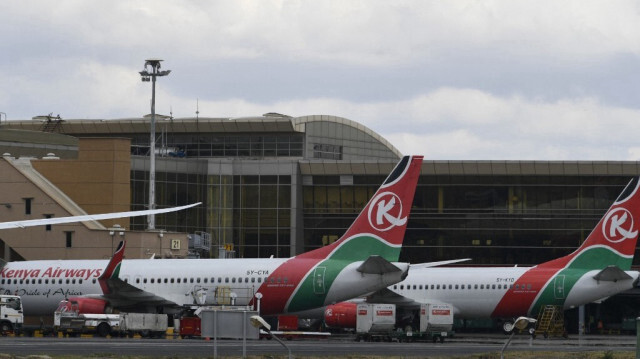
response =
{"points": [[551, 321]]}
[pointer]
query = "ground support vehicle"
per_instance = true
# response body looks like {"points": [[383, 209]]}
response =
{"points": [[375, 322], [432, 322], [11, 314], [69, 321]]}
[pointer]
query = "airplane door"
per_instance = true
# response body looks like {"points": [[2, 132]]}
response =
{"points": [[558, 287], [318, 280]]}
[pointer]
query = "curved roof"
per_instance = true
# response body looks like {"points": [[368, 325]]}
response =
{"points": [[299, 125]]}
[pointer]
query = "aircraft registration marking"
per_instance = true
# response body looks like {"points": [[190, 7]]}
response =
{"points": [[257, 272], [505, 280]]}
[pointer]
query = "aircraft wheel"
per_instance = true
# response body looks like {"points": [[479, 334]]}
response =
{"points": [[507, 327]]}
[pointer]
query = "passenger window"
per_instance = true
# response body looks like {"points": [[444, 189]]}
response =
{"points": [[517, 286], [432, 286], [144, 280], [481, 286], [253, 279], [259, 279], [233, 280], [172, 280], [450, 286], [456, 286], [493, 286], [420, 287], [198, 280], [152, 281], [178, 280], [438, 286], [205, 280], [166, 280], [226, 279], [401, 287], [190, 280]]}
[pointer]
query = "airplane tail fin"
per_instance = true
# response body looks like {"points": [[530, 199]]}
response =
{"points": [[613, 241], [113, 268], [380, 227]]}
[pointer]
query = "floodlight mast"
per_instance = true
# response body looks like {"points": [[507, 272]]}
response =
{"points": [[154, 66]]}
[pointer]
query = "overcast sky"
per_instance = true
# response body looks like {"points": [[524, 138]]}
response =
{"points": [[474, 80]]}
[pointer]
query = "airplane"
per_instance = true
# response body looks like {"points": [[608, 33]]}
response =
{"points": [[598, 269], [363, 260]]}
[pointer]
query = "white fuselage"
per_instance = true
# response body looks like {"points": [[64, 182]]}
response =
{"points": [[43, 284], [477, 292]]}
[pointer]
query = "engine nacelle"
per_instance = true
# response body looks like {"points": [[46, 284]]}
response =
{"points": [[88, 305], [341, 315]]}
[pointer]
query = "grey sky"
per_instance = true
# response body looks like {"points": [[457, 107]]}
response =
{"points": [[547, 80]]}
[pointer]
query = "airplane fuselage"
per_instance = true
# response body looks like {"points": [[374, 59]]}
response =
{"points": [[507, 292], [43, 284]]}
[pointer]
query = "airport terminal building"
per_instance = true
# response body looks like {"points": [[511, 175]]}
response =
{"points": [[276, 185]]}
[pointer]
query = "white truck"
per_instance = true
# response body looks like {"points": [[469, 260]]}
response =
{"points": [[68, 320], [375, 322], [11, 314]]}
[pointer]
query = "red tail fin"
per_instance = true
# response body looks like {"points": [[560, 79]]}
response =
{"points": [[383, 221], [616, 234], [113, 268]]}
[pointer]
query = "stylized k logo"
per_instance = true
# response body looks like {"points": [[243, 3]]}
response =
{"points": [[619, 226], [388, 209]]}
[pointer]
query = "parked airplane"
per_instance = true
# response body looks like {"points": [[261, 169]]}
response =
{"points": [[598, 269], [359, 262]]}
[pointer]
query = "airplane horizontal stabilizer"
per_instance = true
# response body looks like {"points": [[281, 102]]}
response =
{"points": [[437, 264], [377, 265], [611, 274]]}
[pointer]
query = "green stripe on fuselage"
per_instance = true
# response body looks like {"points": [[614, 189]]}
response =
{"points": [[312, 295], [590, 259]]}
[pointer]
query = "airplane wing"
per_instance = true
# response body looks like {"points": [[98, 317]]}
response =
{"points": [[386, 296], [437, 264], [89, 217], [121, 294]]}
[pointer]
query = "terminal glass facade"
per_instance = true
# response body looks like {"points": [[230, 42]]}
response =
{"points": [[251, 213], [495, 220], [206, 145]]}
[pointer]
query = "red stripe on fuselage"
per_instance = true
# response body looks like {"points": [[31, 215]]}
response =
{"points": [[276, 294], [516, 302]]}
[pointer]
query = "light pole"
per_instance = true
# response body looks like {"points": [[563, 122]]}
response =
{"points": [[147, 76], [520, 323], [260, 323]]}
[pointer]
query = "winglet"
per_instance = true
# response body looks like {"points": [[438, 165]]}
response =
{"points": [[377, 265], [113, 268]]}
